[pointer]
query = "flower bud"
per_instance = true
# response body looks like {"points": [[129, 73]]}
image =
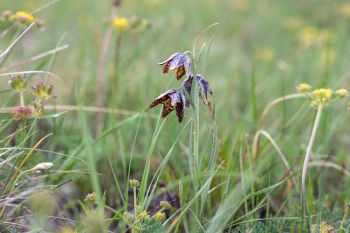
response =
{"points": [[341, 93], [303, 87]]}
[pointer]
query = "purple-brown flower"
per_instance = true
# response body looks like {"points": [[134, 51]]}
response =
{"points": [[203, 86], [180, 63], [172, 99]]}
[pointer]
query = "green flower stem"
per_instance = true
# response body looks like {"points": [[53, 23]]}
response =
{"points": [[308, 156], [21, 99]]}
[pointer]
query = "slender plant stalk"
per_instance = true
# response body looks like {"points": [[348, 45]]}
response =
{"points": [[308, 156], [21, 99], [101, 74]]}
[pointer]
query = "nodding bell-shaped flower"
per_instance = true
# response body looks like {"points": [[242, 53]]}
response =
{"points": [[180, 63], [172, 99], [203, 86]]}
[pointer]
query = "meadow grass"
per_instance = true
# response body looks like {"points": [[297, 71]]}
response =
{"points": [[266, 155]]}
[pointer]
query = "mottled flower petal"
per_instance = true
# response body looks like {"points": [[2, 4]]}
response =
{"points": [[171, 99], [178, 62], [169, 59], [161, 98], [203, 85], [204, 88], [180, 72]]}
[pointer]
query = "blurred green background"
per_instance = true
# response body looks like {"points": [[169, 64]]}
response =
{"points": [[260, 51]]}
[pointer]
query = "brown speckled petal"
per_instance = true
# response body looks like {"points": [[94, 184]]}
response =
{"points": [[180, 72], [162, 98]]}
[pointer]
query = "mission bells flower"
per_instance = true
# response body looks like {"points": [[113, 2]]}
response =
{"points": [[203, 86], [172, 99], [175, 99], [180, 63]]}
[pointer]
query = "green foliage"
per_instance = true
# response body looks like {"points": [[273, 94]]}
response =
{"points": [[153, 226], [271, 226]]}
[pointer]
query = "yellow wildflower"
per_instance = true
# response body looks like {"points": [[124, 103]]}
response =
{"points": [[303, 87], [159, 216], [143, 215], [25, 16], [341, 93], [322, 95], [121, 24]]}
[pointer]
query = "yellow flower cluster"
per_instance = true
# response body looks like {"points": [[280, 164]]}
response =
{"points": [[21, 17], [320, 96], [143, 215], [24, 16]]}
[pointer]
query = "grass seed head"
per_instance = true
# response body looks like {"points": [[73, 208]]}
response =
{"points": [[40, 167]]}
